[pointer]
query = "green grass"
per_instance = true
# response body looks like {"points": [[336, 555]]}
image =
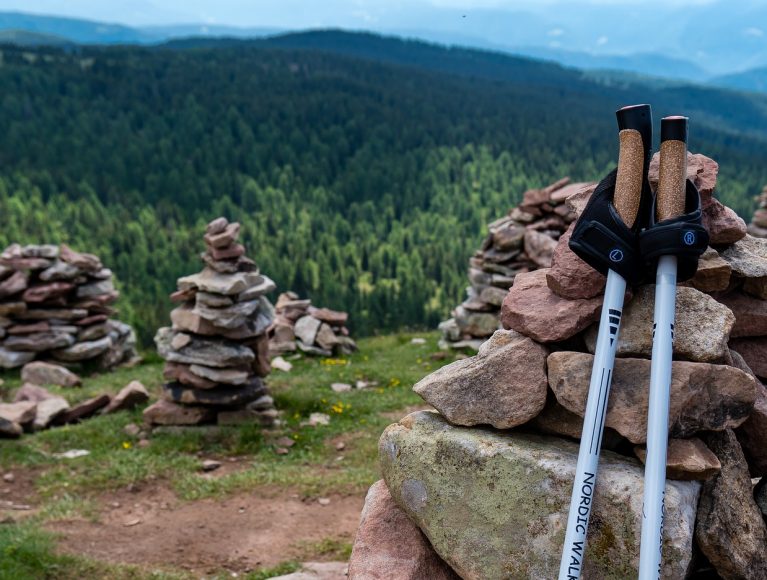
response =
{"points": [[66, 487]]}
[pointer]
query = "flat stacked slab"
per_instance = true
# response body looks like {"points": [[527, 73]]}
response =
{"points": [[308, 329], [487, 478], [56, 304], [217, 349], [520, 242]]}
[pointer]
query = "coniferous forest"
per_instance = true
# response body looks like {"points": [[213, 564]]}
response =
{"points": [[363, 169]]}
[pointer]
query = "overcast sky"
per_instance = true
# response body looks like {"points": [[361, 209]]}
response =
{"points": [[277, 13]]}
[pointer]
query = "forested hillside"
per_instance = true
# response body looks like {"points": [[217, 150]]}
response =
{"points": [[362, 179]]}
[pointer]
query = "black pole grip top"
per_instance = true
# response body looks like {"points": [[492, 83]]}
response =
{"points": [[601, 238]]}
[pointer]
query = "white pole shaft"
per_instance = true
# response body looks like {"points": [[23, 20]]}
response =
{"points": [[581, 501], [657, 420]]}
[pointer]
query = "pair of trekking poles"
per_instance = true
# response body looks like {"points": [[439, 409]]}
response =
{"points": [[626, 233]]}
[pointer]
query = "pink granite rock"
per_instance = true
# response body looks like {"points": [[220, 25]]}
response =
{"points": [[570, 277], [389, 545], [532, 309]]}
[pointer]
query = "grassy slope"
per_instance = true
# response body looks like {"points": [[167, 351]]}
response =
{"points": [[66, 488]]}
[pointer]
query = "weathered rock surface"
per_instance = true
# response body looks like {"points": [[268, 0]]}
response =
{"points": [[701, 327], [753, 432], [84, 410], [730, 530], [168, 413], [30, 392], [532, 309], [216, 283], [389, 545], [10, 359], [22, 413], [48, 411], [687, 459], [570, 277], [475, 323], [539, 248], [703, 396], [43, 373], [750, 314], [754, 352], [9, 429], [130, 396], [205, 352], [495, 505], [306, 329], [747, 257], [224, 396], [713, 274], [504, 385]]}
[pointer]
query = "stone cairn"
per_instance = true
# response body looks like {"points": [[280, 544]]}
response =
{"points": [[55, 304], [481, 487], [217, 350], [300, 326], [758, 225], [519, 242]]}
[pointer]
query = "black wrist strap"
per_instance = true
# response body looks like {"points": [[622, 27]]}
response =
{"points": [[683, 236], [602, 240]]}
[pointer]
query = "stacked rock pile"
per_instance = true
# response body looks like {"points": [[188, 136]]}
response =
{"points": [[55, 304], [519, 242], [758, 225], [217, 349], [35, 408], [493, 503], [301, 326]]}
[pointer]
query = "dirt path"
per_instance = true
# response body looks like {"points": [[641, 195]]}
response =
{"points": [[240, 533]]}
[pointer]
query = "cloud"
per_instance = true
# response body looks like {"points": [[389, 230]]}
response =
{"points": [[754, 31], [602, 40], [555, 32]]}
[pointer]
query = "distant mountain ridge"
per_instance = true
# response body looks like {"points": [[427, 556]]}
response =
{"points": [[538, 34]]}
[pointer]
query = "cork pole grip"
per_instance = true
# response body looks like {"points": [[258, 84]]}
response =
{"points": [[670, 197], [628, 182]]}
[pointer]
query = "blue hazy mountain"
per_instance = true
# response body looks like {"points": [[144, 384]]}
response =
{"points": [[692, 42], [750, 80]]}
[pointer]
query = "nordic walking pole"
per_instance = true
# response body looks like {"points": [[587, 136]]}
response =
{"points": [[606, 238], [670, 203]]}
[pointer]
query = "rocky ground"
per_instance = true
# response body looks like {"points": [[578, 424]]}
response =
{"points": [[105, 498]]}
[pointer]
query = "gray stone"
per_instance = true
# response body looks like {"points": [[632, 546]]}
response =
{"points": [[326, 338], [211, 281], [48, 251], [223, 238], [95, 289], [44, 373], [730, 530], [210, 353], [703, 396], [54, 314], [213, 300], [228, 317], [226, 376], [495, 505], [747, 257], [86, 262], [93, 332], [16, 283], [11, 360], [265, 286], [701, 327], [30, 392], [48, 411], [83, 350], [221, 396], [306, 329], [84, 410], [39, 342], [686, 459], [450, 329], [388, 545], [504, 385], [539, 248], [313, 350], [478, 324]]}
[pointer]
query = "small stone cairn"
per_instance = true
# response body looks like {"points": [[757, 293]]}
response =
{"points": [[481, 487], [55, 304], [519, 242], [758, 225], [217, 350], [301, 326]]}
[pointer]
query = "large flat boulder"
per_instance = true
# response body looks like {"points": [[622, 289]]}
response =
{"points": [[504, 385], [44, 373], [200, 351], [495, 505], [703, 396]]}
